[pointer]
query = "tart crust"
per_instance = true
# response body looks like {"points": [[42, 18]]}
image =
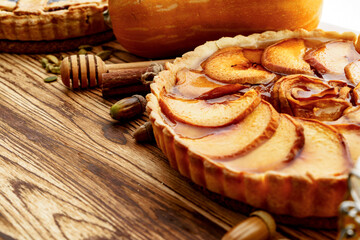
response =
{"points": [[58, 20], [280, 192]]}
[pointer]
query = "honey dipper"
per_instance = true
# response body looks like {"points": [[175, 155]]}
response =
{"points": [[259, 226], [83, 71]]}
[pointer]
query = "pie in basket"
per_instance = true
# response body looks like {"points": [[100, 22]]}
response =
{"points": [[270, 120], [36, 20]]}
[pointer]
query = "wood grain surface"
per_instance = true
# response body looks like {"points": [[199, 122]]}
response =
{"points": [[68, 171]]}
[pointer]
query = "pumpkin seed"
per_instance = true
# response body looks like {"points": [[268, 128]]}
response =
{"points": [[55, 70], [86, 47], [104, 55], [82, 51], [50, 79], [53, 59], [48, 67], [51, 68], [44, 62]]}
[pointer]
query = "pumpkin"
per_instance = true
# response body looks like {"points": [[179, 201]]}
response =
{"points": [[166, 28]]}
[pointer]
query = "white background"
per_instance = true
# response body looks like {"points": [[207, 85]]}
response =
{"points": [[342, 13]]}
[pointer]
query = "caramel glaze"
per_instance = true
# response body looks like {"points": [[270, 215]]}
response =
{"points": [[339, 87]]}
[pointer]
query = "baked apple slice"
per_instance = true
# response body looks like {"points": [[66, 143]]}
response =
{"points": [[351, 134], [286, 57], [193, 84], [352, 72], [269, 156], [210, 113], [254, 55], [221, 91], [324, 152], [356, 94], [317, 175], [309, 97], [332, 57], [350, 116], [237, 139], [229, 65]]}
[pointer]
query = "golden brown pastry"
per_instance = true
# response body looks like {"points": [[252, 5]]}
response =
{"points": [[291, 150], [36, 20]]}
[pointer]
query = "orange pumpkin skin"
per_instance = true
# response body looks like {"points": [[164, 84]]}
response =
{"points": [[165, 28]]}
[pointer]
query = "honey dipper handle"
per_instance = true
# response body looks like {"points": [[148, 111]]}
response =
{"points": [[110, 67], [83, 71], [260, 226]]}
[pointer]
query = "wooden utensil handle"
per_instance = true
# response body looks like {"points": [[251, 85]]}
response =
{"points": [[110, 67], [259, 226], [83, 71]]}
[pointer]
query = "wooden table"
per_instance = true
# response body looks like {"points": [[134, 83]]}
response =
{"points": [[68, 171]]}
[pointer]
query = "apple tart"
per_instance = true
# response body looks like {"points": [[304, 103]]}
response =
{"points": [[37, 20], [43, 26], [270, 120]]}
